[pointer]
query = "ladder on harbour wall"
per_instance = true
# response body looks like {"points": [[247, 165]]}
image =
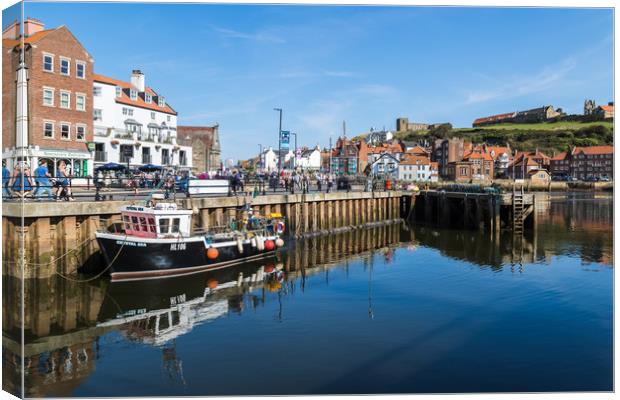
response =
{"points": [[517, 211]]}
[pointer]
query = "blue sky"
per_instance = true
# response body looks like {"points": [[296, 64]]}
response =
{"points": [[232, 64]]}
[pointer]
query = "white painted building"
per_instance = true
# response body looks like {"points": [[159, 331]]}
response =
{"points": [[414, 168], [385, 165], [375, 138], [310, 159], [134, 125], [268, 161]]}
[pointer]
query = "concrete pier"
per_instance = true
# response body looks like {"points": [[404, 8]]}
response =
{"points": [[59, 237], [484, 211]]}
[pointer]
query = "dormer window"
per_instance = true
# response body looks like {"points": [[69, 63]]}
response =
{"points": [[119, 91], [161, 101], [147, 98], [133, 94]]}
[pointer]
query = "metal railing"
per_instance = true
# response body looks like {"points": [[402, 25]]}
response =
{"points": [[121, 186], [127, 135]]}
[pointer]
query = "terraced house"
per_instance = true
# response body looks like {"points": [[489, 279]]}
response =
{"points": [[134, 125], [49, 114], [585, 162]]}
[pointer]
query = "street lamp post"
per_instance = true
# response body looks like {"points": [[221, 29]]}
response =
{"points": [[260, 157], [279, 141]]}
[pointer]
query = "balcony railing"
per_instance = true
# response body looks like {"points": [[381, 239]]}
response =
{"points": [[124, 135], [147, 138], [125, 159], [101, 156], [167, 140], [183, 161], [146, 159], [166, 160]]}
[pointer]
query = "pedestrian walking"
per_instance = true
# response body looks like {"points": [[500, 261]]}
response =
{"points": [[6, 177], [26, 190], [330, 182], [42, 178], [62, 182]]}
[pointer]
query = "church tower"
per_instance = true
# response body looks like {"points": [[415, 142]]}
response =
{"points": [[588, 107]]}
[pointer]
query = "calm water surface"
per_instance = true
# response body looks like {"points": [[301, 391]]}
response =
{"points": [[390, 310]]}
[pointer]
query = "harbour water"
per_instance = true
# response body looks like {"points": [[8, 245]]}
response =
{"points": [[394, 309]]}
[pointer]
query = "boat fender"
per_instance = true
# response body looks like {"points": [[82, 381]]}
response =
{"points": [[279, 242], [280, 227], [253, 242], [240, 245], [212, 253], [269, 245], [260, 243]]}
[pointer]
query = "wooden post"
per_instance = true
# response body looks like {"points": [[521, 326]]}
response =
{"points": [[289, 217], [69, 239], [337, 208], [491, 208], [315, 212], [45, 248], [305, 216], [479, 214], [219, 216], [204, 218], [350, 220], [466, 212]]}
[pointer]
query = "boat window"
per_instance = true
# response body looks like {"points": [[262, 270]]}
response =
{"points": [[152, 226], [151, 324], [136, 226], [163, 322], [175, 318], [143, 226], [164, 223], [175, 225], [127, 222]]}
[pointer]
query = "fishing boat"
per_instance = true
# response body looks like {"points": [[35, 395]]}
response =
{"points": [[156, 240]]}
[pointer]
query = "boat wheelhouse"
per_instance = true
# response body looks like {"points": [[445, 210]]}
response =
{"points": [[164, 220]]}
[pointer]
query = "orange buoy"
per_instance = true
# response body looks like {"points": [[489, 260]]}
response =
{"points": [[212, 253], [269, 245], [212, 283], [269, 269], [274, 286]]}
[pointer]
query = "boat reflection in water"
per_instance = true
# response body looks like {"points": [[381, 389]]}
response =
{"points": [[155, 312]]}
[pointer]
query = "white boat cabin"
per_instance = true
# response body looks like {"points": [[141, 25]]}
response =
{"points": [[163, 220]]}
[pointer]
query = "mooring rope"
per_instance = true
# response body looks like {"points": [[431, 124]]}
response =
{"points": [[33, 264], [92, 278]]}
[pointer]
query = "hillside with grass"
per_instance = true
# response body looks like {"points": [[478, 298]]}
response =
{"points": [[548, 136]]}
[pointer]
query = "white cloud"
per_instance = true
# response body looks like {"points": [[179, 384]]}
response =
{"points": [[257, 36], [548, 78]]}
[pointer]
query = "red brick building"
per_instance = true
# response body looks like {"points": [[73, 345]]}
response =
{"points": [[59, 96], [446, 151], [585, 162], [476, 165]]}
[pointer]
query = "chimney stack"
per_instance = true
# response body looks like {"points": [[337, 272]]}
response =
{"points": [[32, 26], [137, 80], [11, 31]]}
